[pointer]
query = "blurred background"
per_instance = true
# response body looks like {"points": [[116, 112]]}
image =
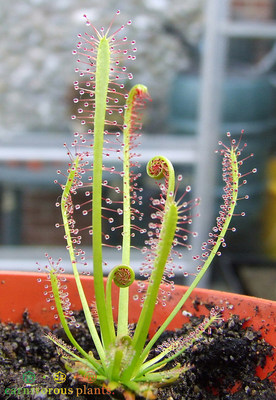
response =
{"points": [[210, 67]]}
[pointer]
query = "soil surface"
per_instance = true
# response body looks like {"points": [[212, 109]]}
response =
{"points": [[222, 359]]}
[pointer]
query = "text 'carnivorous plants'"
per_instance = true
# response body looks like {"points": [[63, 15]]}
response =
{"points": [[110, 122]]}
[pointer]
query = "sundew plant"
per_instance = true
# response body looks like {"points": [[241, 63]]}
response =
{"points": [[110, 119]]}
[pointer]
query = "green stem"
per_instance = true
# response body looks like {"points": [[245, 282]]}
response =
{"points": [[169, 225], [123, 276], [109, 303], [137, 90], [163, 251], [64, 212], [122, 328], [101, 90], [115, 365]]}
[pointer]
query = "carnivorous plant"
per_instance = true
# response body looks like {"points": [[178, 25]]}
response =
{"points": [[122, 361]]}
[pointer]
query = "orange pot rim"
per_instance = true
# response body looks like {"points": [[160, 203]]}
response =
{"points": [[27, 293]]}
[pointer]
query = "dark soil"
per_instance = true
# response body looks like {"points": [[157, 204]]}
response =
{"points": [[224, 359]]}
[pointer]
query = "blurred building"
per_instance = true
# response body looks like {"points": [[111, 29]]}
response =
{"points": [[36, 92]]}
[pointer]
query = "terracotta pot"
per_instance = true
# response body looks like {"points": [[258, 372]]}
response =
{"points": [[20, 291]]}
